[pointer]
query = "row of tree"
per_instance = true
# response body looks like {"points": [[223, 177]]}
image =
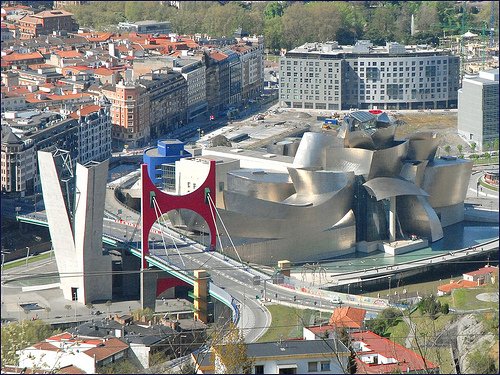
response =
{"points": [[289, 24]]}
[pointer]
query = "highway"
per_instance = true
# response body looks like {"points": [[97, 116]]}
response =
{"points": [[232, 277]]}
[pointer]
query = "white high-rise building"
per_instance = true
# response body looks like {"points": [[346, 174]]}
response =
{"points": [[478, 109]]}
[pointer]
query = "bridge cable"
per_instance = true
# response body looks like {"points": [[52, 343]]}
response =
{"points": [[161, 232], [227, 232], [157, 207], [215, 223]]}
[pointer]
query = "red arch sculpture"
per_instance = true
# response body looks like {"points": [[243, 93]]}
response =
{"points": [[196, 201]]}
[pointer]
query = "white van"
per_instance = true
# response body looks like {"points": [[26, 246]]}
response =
{"points": [[336, 300]]}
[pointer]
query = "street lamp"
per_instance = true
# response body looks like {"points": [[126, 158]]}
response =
{"points": [[27, 255], [126, 226], [389, 277], [3, 261]]}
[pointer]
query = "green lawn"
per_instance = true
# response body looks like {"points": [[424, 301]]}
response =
{"points": [[465, 299], [491, 160], [425, 288], [399, 333], [22, 262], [442, 357], [287, 322]]}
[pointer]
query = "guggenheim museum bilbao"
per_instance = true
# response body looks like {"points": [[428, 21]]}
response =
{"points": [[329, 194]]}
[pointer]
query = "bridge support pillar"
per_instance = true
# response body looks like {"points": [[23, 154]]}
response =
{"points": [[392, 219], [284, 266], [201, 278], [148, 289]]}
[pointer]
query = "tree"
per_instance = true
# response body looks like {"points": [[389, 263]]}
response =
{"points": [[495, 144], [430, 305], [345, 339], [16, 336], [232, 352], [48, 310], [447, 149], [386, 319], [427, 18], [460, 148], [124, 366], [381, 26], [473, 146], [481, 361], [274, 9]]}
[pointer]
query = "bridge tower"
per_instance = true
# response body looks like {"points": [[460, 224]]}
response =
{"points": [[154, 203]]}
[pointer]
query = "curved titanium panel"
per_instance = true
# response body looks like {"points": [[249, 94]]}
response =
{"points": [[359, 139], [355, 160], [383, 137], [386, 187], [310, 153], [388, 162], [308, 182], [418, 217], [422, 146], [251, 217], [447, 181], [414, 171], [310, 245], [271, 186]]}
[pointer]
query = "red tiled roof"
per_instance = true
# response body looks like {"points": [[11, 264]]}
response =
{"points": [[15, 56], [45, 346], [219, 56], [318, 330], [86, 111], [407, 360], [71, 369], [102, 71], [53, 13], [40, 66], [447, 288], [68, 54], [483, 271], [96, 37], [61, 336], [31, 19], [110, 347], [349, 317]]}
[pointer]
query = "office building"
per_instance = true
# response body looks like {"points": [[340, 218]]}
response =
{"points": [[167, 92], [46, 22], [478, 109], [193, 72], [327, 76], [146, 27]]}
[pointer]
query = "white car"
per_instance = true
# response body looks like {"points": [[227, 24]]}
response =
{"points": [[336, 300]]}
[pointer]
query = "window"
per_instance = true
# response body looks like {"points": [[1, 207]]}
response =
{"points": [[312, 367], [325, 366], [259, 369]]}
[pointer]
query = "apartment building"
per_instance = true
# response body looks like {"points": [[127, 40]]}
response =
{"points": [[167, 91], [327, 76], [46, 22], [18, 163], [478, 109], [194, 72], [251, 56], [130, 114], [94, 136]]}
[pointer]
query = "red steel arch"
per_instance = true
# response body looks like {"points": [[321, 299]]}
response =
{"points": [[196, 201]]}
